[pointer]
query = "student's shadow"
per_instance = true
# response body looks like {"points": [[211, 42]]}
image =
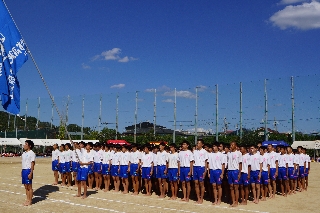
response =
{"points": [[43, 192]]}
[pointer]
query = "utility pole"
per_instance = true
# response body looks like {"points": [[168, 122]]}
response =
{"points": [[292, 100], [117, 115], [67, 111], [217, 102], [52, 113], [154, 112], [241, 131], [174, 115], [99, 119], [196, 119], [82, 123], [25, 116], [265, 111], [135, 119], [38, 120]]}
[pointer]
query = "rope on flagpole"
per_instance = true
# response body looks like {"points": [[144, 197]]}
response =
{"points": [[42, 78]]}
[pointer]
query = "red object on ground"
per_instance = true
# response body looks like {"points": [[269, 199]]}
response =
{"points": [[120, 142]]}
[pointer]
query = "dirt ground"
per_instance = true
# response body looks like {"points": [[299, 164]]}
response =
{"points": [[50, 198]]}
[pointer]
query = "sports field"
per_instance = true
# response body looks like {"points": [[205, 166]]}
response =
{"points": [[48, 198]]}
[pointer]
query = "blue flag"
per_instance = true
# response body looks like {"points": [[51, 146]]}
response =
{"points": [[13, 55]]}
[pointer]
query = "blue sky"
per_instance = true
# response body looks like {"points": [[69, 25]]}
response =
{"points": [[93, 47]]}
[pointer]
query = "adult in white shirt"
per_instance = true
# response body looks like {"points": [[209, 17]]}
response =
{"points": [[265, 172], [216, 169], [55, 162], [186, 168], [255, 173], [234, 167], [135, 161], [162, 158], [173, 165], [273, 174], [200, 156], [245, 175], [28, 161], [147, 168], [283, 171]]}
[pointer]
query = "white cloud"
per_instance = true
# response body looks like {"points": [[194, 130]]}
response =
{"points": [[85, 66], [168, 100], [291, 1], [163, 88], [181, 93], [118, 86], [305, 16], [113, 55], [201, 88]]}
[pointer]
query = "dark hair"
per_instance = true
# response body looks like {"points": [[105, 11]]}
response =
{"points": [[162, 144], [216, 144], [83, 143], [90, 144], [270, 144], [201, 140], [173, 145], [148, 146], [30, 143], [68, 144], [186, 142], [263, 147]]}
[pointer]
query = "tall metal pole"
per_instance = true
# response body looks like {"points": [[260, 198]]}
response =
{"points": [[9, 121], [292, 99], [135, 119], [99, 120], [38, 120], [154, 112], [196, 119], [217, 107], [51, 114], [67, 111], [174, 115], [14, 124], [117, 117], [241, 112], [25, 116], [82, 118], [265, 111]]}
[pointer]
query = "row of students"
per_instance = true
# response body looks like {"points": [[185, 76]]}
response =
{"points": [[258, 167]]}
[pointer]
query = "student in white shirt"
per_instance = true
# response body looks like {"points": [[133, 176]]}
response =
{"points": [[306, 174], [106, 166], [255, 173], [55, 162], [115, 168], [135, 162], [302, 169], [162, 158], [91, 167], [283, 171], [173, 166], [28, 162], [200, 156], [244, 181], [97, 165], [216, 163], [234, 167], [147, 168], [186, 169], [273, 162], [75, 161], [62, 165], [265, 172], [68, 163], [124, 168]]}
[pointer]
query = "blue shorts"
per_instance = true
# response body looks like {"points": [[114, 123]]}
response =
{"points": [[55, 166], [75, 166], [254, 177], [198, 173], [282, 173], [105, 169], [68, 166], [264, 178], [133, 169], [154, 173], [25, 179], [62, 168], [290, 173], [233, 177], [184, 174], [90, 169], [160, 172], [272, 174], [306, 173], [146, 173], [244, 179], [114, 170], [82, 174], [97, 167], [301, 171], [295, 175], [215, 176], [173, 174], [123, 171]]}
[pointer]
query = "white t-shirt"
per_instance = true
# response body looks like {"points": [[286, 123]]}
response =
{"points": [[74, 155], [273, 157], [307, 160], [216, 160], [255, 161], [106, 157], [124, 158], [200, 156], [302, 159], [234, 158], [116, 158], [97, 156], [147, 160], [162, 158], [27, 159], [155, 162], [283, 160], [245, 163], [86, 157], [225, 156], [62, 157], [55, 154], [68, 155], [173, 160], [265, 162], [291, 160], [185, 157], [135, 157]]}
